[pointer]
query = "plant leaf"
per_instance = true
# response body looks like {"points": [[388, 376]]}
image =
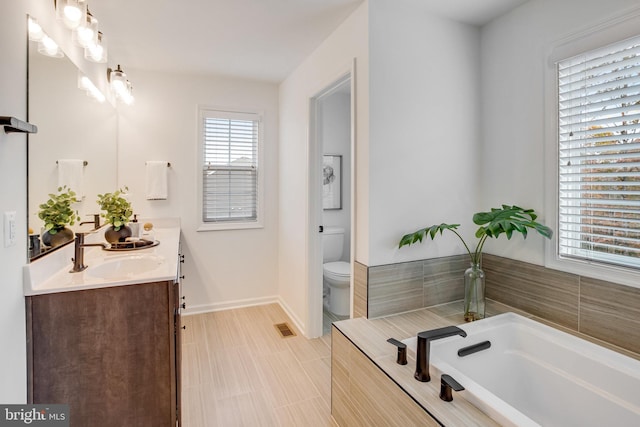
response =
{"points": [[507, 220], [431, 231]]}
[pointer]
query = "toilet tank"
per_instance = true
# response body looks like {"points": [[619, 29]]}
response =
{"points": [[332, 243]]}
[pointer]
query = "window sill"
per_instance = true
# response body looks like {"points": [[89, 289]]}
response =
{"points": [[230, 226]]}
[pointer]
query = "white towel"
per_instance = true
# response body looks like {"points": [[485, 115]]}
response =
{"points": [[71, 174], [157, 180]]}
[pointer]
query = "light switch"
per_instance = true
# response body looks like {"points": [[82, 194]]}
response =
{"points": [[9, 229]]}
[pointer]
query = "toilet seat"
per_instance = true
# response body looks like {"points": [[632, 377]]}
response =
{"points": [[337, 270]]}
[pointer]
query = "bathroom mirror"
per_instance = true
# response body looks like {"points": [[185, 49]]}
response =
{"points": [[71, 125]]}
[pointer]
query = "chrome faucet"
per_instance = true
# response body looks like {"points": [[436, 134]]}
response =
{"points": [[423, 348], [95, 222], [78, 254]]}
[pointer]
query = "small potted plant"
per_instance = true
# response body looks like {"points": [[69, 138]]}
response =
{"points": [[57, 214], [117, 213], [507, 220]]}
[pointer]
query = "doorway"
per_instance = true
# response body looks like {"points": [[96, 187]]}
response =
{"points": [[331, 180]]}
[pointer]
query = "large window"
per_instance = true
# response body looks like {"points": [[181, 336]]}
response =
{"points": [[599, 155], [231, 171]]}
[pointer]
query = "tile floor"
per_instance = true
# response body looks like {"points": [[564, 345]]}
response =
{"points": [[238, 371]]}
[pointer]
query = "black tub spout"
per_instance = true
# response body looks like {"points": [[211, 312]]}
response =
{"points": [[423, 347]]}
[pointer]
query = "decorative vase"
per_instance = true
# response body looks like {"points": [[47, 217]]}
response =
{"points": [[474, 298], [61, 237], [113, 236]]}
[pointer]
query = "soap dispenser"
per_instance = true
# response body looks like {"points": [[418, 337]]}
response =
{"points": [[147, 232], [135, 227]]}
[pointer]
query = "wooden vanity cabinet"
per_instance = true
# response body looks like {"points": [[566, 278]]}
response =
{"points": [[112, 354]]}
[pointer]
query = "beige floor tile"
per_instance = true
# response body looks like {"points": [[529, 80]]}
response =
{"points": [[304, 349], [222, 330], [284, 380], [246, 410], [233, 373], [319, 371], [239, 371], [309, 413], [192, 407]]}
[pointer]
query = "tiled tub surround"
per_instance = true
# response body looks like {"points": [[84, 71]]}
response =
{"points": [[597, 308], [396, 288], [601, 309]]}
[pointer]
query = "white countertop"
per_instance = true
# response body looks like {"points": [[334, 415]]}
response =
{"points": [[50, 274]]}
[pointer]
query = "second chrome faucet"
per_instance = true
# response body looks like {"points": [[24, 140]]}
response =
{"points": [[423, 348]]}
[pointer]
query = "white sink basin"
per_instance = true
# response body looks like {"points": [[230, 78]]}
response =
{"points": [[125, 267]]}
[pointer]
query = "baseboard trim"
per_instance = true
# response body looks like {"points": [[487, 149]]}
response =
{"points": [[296, 321], [230, 305]]}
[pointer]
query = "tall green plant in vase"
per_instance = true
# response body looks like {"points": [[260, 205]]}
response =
{"points": [[504, 220]]}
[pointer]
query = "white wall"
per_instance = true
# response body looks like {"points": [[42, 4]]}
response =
{"points": [[514, 57], [424, 129], [335, 112], [222, 268], [13, 187], [327, 63]]}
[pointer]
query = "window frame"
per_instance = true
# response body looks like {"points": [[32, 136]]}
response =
{"points": [[590, 38], [204, 111]]}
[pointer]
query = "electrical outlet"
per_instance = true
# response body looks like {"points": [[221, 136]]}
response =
{"points": [[9, 229]]}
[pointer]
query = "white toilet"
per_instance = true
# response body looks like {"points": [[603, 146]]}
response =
{"points": [[336, 274]]}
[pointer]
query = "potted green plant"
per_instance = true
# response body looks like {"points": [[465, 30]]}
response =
{"points": [[504, 220], [117, 213], [57, 214]]}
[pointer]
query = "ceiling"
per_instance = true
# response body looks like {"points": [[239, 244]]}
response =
{"points": [[474, 12], [257, 39]]}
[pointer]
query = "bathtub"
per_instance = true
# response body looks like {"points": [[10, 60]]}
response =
{"points": [[535, 375]]}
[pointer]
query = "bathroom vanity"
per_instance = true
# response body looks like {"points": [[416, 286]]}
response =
{"points": [[106, 341]]}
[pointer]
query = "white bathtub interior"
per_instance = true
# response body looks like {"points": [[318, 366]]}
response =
{"points": [[534, 374]]}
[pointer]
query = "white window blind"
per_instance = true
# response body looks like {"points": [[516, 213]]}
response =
{"points": [[230, 167], [599, 155]]}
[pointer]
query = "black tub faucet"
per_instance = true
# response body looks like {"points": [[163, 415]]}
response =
{"points": [[424, 344]]}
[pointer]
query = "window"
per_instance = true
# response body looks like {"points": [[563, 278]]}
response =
{"points": [[599, 155], [231, 184]]}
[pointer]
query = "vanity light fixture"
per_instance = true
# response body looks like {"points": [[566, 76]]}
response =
{"points": [[48, 47], [71, 12], [86, 34], [120, 86], [87, 85], [97, 52]]}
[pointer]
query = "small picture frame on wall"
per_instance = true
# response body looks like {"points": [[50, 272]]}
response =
{"points": [[331, 182]]}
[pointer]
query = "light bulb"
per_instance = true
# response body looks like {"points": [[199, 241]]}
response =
{"points": [[97, 52], [49, 47], [35, 30], [87, 33], [71, 12], [86, 84], [121, 86]]}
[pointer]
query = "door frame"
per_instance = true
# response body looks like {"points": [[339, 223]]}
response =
{"points": [[314, 218]]}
